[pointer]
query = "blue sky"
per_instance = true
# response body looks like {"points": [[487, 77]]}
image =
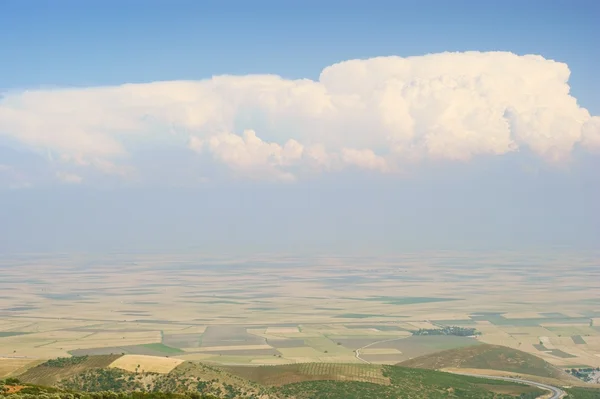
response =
{"points": [[75, 181], [74, 43]]}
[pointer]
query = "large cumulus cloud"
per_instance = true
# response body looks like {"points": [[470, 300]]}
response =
{"points": [[379, 114]]}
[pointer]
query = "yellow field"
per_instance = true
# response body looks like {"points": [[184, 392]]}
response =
{"points": [[269, 361], [301, 352], [142, 363], [231, 348], [382, 351], [282, 330], [12, 366], [195, 356]]}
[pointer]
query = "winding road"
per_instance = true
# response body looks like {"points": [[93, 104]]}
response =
{"points": [[357, 352], [556, 392]]}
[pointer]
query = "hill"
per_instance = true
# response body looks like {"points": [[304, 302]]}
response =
{"points": [[96, 375], [489, 357], [55, 370], [405, 383]]}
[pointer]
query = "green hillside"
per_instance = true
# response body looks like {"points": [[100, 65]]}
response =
{"points": [[55, 370], [491, 357], [90, 378], [406, 383]]}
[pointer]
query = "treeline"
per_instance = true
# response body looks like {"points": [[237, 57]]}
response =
{"points": [[456, 331], [65, 361]]}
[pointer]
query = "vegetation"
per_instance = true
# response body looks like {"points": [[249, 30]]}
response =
{"points": [[450, 330], [582, 393], [65, 361], [401, 383], [4, 334], [202, 379], [162, 348], [79, 380], [291, 373], [412, 383], [489, 357], [51, 372], [586, 374]]}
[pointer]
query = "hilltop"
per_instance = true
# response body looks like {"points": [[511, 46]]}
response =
{"points": [[489, 357]]}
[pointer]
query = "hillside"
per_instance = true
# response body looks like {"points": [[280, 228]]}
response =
{"points": [[52, 371], [404, 384], [302, 372], [96, 375], [489, 357]]}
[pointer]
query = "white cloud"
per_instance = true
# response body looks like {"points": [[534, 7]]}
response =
{"points": [[376, 114], [364, 159], [591, 133], [250, 156]]}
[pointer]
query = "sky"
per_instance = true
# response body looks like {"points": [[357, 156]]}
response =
{"points": [[300, 127]]}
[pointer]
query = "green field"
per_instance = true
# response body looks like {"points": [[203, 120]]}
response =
{"points": [[582, 393], [4, 334], [162, 348]]}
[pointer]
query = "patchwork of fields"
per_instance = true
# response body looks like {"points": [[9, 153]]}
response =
{"points": [[277, 310]]}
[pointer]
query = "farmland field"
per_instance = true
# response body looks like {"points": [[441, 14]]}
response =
{"points": [[281, 375], [152, 364], [14, 366], [272, 309]]}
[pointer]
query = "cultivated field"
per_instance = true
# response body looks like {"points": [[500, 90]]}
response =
{"points": [[147, 364], [292, 373], [15, 366], [286, 310]]}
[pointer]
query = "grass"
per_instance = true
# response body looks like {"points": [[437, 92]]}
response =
{"points": [[490, 357], [4, 334], [163, 348], [578, 340], [582, 393], [323, 344]]}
